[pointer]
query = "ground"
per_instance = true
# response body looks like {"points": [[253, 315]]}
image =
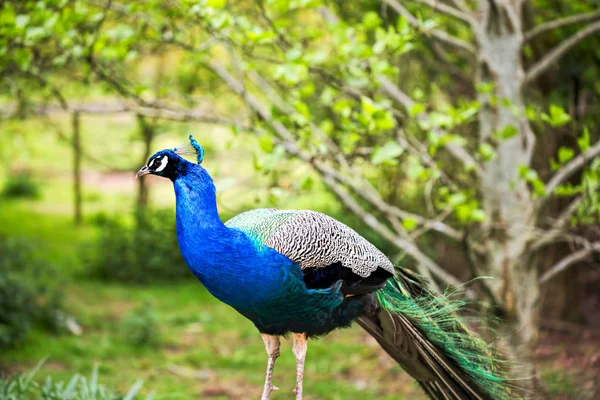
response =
{"points": [[207, 350]]}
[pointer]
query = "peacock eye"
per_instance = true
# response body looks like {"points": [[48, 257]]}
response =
{"points": [[163, 164], [151, 162]]}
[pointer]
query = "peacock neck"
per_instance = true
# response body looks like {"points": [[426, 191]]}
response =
{"points": [[196, 199], [215, 253]]}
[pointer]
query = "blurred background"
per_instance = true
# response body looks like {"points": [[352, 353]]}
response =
{"points": [[459, 136]]}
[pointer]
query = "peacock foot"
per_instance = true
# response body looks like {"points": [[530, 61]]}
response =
{"points": [[298, 392]]}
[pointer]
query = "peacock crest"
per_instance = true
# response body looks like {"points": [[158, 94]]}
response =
{"points": [[191, 148]]}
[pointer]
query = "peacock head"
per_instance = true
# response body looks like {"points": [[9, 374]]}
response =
{"points": [[168, 163]]}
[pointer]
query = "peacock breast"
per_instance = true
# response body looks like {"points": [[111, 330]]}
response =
{"points": [[234, 270]]}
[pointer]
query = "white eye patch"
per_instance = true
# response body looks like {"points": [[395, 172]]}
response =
{"points": [[163, 164], [151, 163]]}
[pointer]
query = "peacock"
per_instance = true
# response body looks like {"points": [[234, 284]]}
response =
{"points": [[304, 274]]}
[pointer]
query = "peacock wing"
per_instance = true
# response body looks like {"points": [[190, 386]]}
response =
{"points": [[326, 249]]}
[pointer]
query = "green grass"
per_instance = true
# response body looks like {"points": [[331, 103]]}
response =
{"points": [[197, 333]]}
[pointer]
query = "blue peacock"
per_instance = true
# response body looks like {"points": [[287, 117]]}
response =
{"points": [[304, 274]]}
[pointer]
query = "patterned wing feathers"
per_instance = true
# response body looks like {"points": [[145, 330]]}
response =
{"points": [[312, 239]]}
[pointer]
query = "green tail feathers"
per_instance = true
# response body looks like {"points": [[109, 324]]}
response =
{"points": [[424, 333]]}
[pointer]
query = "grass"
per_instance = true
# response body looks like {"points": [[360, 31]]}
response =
{"points": [[197, 333]]}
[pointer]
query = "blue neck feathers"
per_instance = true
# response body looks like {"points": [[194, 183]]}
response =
{"points": [[196, 197], [231, 266]]}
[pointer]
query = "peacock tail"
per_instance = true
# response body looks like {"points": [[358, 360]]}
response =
{"points": [[458, 363]]}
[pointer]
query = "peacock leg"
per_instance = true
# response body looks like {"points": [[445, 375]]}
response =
{"points": [[272, 345], [299, 349]]}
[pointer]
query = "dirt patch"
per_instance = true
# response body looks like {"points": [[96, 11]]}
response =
{"points": [[574, 355], [12, 370], [231, 390]]}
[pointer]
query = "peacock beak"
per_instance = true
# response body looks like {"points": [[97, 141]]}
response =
{"points": [[143, 171]]}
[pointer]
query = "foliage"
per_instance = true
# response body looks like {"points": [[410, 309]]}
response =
{"points": [[141, 326], [28, 293], [16, 311], [21, 185], [23, 387], [122, 252]]}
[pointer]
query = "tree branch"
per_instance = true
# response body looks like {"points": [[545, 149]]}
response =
{"points": [[419, 150], [458, 152], [331, 178], [558, 227], [559, 51], [461, 5], [569, 260], [559, 23], [283, 106], [164, 114], [435, 33], [391, 90], [364, 188], [570, 168], [436, 5], [409, 247]]}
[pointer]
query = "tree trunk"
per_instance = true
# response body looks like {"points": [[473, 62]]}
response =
{"points": [[76, 127], [147, 132], [506, 197]]}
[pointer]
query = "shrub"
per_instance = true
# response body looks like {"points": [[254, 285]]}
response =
{"points": [[28, 293], [21, 185], [144, 252], [141, 326], [22, 387]]}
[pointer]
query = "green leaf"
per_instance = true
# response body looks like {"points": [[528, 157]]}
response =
{"points": [[507, 132], [463, 212], [557, 117], [387, 153], [368, 106], [21, 20], [532, 113], [266, 143], [371, 20], [306, 183], [486, 151], [413, 168], [385, 121], [133, 391], [584, 140], [538, 187], [531, 176], [218, 4], [293, 54], [478, 215], [485, 87], [417, 109], [291, 73], [256, 162], [565, 154], [409, 224], [457, 199]]}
